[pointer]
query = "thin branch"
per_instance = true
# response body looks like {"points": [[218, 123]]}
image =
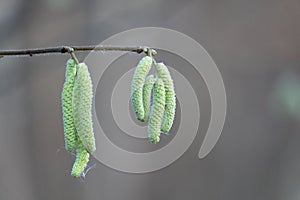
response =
{"points": [[71, 52], [69, 49]]}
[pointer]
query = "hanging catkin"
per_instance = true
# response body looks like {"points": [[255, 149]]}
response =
{"points": [[82, 158], [157, 111], [170, 107], [138, 80], [67, 106], [147, 90], [83, 96]]}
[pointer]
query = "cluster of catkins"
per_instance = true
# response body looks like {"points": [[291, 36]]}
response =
{"points": [[77, 96], [163, 106]]}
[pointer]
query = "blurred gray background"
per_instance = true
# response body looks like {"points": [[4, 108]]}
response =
{"points": [[255, 44]]}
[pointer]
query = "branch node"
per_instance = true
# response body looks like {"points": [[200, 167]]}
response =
{"points": [[140, 50], [149, 51], [64, 49]]}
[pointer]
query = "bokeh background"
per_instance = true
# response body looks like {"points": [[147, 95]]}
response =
{"points": [[255, 44]]}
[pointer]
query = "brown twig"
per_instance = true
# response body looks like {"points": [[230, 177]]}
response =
{"points": [[67, 49]]}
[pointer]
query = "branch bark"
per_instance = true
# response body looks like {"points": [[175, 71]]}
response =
{"points": [[69, 49]]}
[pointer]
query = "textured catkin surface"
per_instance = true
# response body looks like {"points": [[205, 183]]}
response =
{"points": [[157, 111], [67, 106], [83, 96], [147, 90], [82, 158], [170, 107], [138, 80]]}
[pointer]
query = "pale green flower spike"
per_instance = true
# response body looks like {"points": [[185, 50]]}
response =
{"points": [[138, 80], [170, 108], [83, 97], [67, 106], [157, 111], [147, 90], [82, 158]]}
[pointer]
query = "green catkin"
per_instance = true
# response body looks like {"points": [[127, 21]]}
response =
{"points": [[138, 80], [157, 111], [170, 108], [83, 97], [67, 106], [82, 158], [147, 90]]}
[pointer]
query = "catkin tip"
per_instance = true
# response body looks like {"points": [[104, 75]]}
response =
{"points": [[154, 138]]}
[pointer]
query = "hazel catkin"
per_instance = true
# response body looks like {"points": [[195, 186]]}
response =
{"points": [[67, 106], [82, 97], [138, 80], [157, 111], [170, 107], [147, 90]]}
